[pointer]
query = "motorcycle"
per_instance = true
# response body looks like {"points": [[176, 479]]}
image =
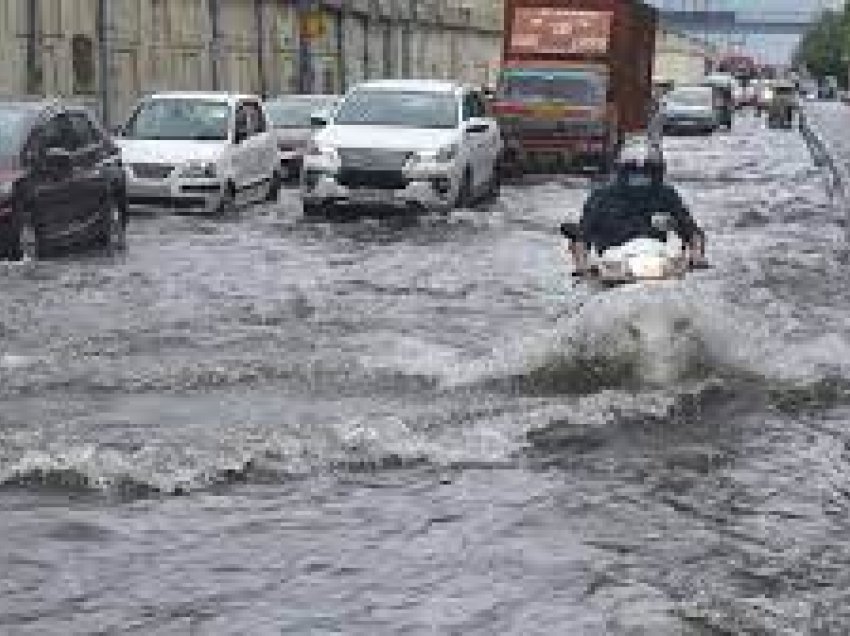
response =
{"points": [[641, 259]]}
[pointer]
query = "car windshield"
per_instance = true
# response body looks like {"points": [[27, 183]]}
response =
{"points": [[296, 113], [190, 119], [14, 123], [693, 97], [409, 109], [583, 89]]}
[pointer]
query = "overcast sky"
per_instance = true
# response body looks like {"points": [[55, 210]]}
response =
{"points": [[774, 48]]}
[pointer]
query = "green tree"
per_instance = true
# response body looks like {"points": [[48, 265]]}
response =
{"points": [[825, 48]]}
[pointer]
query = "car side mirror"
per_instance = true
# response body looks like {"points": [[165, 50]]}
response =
{"points": [[662, 222], [240, 127], [318, 120], [240, 134], [58, 160], [476, 126]]}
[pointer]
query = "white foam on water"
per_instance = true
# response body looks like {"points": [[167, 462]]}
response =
{"points": [[661, 332], [11, 361]]}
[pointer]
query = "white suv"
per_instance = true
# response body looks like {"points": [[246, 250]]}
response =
{"points": [[205, 151], [404, 141]]}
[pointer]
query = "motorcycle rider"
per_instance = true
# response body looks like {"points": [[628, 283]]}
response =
{"points": [[623, 209]]}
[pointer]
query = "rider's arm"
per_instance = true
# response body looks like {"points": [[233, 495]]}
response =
{"points": [[591, 217], [685, 225]]}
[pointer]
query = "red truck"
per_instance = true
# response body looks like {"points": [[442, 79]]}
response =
{"points": [[576, 79]]}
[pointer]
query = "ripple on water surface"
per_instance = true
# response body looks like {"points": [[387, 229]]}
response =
{"points": [[425, 425]]}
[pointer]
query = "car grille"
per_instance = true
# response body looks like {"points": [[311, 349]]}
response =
{"points": [[152, 170], [378, 179], [369, 159]]}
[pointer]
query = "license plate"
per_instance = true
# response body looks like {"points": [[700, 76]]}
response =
{"points": [[368, 195]]}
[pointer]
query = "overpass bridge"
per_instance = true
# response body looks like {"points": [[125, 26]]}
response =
{"points": [[739, 23]]}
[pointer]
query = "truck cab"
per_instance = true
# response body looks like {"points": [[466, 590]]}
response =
{"points": [[576, 81], [555, 117]]}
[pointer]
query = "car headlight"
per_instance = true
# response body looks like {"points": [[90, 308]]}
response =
{"points": [[326, 154], [199, 171]]}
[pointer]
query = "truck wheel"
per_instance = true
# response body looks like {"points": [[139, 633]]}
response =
{"points": [[114, 230], [465, 196], [605, 164], [227, 205], [313, 209]]}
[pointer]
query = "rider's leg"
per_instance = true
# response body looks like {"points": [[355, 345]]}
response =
{"points": [[696, 249]]}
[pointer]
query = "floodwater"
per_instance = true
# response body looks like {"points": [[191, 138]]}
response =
{"points": [[269, 425]]}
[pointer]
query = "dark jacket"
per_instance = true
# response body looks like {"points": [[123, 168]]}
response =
{"points": [[617, 213]]}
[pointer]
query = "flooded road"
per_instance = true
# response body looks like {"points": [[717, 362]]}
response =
{"points": [[270, 425]]}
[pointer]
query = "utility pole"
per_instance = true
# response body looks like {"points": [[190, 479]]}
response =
{"points": [[406, 38], [215, 43], [342, 67], [260, 26], [104, 55], [305, 47], [33, 64]]}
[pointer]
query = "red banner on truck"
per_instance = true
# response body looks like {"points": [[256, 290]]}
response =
{"points": [[555, 31]]}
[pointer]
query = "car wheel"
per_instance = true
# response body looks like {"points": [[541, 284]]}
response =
{"points": [[465, 196], [313, 209], [602, 164], [274, 188], [494, 186], [115, 225], [227, 205], [28, 247]]}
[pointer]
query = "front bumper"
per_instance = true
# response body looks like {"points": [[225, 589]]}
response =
{"points": [[200, 195], [564, 149], [430, 185]]}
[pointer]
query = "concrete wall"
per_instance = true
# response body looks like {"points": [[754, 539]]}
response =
{"points": [[680, 58], [170, 44]]}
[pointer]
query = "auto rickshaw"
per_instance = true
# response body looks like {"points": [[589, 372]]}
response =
{"points": [[782, 106]]}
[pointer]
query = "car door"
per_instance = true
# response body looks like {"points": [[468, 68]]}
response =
{"points": [[55, 191], [258, 144], [243, 158], [475, 141], [489, 141], [90, 176], [266, 144]]}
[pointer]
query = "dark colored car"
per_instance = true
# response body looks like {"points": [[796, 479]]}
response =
{"points": [[61, 180], [690, 109]]}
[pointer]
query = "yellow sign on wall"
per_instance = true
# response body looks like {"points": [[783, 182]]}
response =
{"points": [[313, 25]]}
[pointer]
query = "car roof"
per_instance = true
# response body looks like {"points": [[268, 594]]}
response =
{"points": [[302, 97], [43, 106], [211, 96], [693, 88], [18, 104], [429, 86]]}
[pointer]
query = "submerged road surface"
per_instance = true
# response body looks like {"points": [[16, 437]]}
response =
{"points": [[270, 425]]}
